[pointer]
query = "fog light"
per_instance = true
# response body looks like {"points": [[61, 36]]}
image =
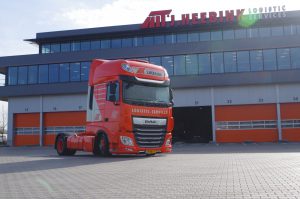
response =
{"points": [[127, 141], [168, 142]]}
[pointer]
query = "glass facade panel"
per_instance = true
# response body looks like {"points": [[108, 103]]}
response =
{"points": [[240, 33], [75, 46], [283, 58], [53, 73], [43, 74], [155, 60], [55, 48], [216, 35], [295, 58], [277, 31], [179, 65], [95, 44], [243, 61], [64, 72], [159, 39], [256, 60], [228, 34], [204, 36], [171, 39], [230, 61], [75, 72], [290, 29], [148, 41], [65, 47], [84, 71], [217, 62], [12, 75], [116, 43], [85, 45], [32, 74], [22, 75], [168, 63], [46, 48], [270, 59], [138, 41], [204, 63], [264, 32], [182, 38], [252, 33], [193, 37], [191, 64], [127, 42], [105, 43]]}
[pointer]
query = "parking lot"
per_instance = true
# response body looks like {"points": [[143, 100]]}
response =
{"points": [[191, 171]]}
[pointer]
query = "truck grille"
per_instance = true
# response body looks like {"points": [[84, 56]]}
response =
{"points": [[149, 136]]}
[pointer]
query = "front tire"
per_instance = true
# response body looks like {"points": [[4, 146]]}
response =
{"points": [[61, 146], [101, 145]]}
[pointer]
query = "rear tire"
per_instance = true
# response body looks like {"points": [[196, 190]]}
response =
{"points": [[61, 146], [101, 145]]}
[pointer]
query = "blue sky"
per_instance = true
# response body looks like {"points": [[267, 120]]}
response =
{"points": [[23, 19]]}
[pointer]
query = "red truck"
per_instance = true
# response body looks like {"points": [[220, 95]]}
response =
{"points": [[129, 111]]}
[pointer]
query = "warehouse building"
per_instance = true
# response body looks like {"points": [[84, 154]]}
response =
{"points": [[235, 77]]}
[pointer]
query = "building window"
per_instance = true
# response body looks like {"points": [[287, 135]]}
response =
{"points": [[182, 38], [155, 60], [252, 32], [116, 43], [64, 72], [167, 62], [45, 48], [53, 73], [265, 32], [216, 35], [230, 61], [85, 45], [95, 44], [217, 62], [243, 61], [179, 65], [32, 74], [55, 48], [171, 39], [22, 75], [283, 58], [65, 47], [105, 43], [127, 42], [12, 75], [295, 58], [191, 64], [75, 72], [148, 40], [159, 39], [138, 41], [193, 37], [240, 33], [228, 34], [204, 36], [204, 63], [43, 74], [270, 59], [290, 30], [256, 60], [75, 46], [277, 31], [84, 71]]}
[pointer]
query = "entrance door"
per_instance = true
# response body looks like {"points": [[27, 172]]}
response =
{"points": [[192, 124]]}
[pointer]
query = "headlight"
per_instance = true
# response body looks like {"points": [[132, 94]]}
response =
{"points": [[126, 140], [168, 142]]}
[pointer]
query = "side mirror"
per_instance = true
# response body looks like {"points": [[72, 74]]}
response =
{"points": [[113, 94], [171, 97]]}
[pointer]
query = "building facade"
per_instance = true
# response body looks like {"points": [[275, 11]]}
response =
{"points": [[232, 81]]}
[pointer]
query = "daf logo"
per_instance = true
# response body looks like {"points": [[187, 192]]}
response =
{"points": [[150, 122]]}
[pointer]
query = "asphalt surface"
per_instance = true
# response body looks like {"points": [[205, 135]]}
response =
{"points": [[191, 171]]}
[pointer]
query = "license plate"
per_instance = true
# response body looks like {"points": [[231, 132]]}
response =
{"points": [[151, 151]]}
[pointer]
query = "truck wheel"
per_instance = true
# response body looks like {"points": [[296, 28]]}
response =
{"points": [[101, 145], [61, 146]]}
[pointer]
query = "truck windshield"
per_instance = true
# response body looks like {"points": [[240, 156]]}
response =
{"points": [[147, 95]]}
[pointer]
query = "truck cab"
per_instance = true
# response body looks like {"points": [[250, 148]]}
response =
{"points": [[129, 110]]}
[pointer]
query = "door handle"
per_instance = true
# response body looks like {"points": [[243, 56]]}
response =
{"points": [[106, 119]]}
